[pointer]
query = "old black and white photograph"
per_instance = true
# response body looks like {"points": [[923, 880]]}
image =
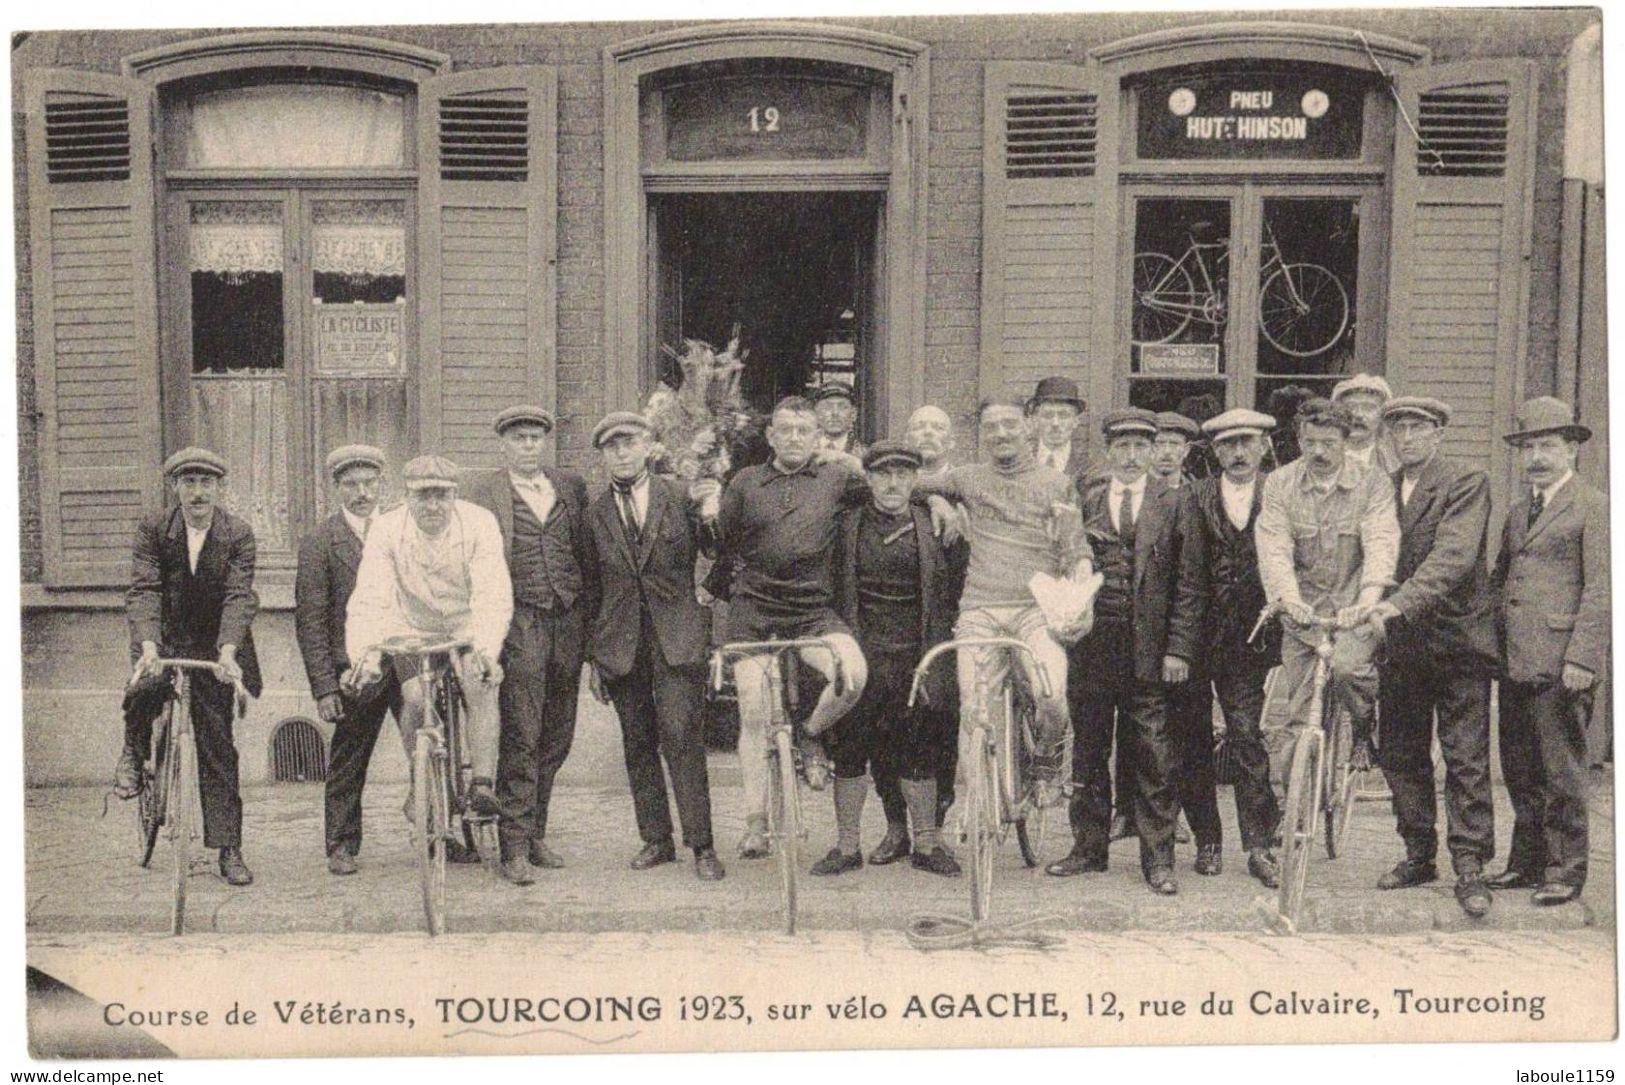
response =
{"points": [[812, 531]]}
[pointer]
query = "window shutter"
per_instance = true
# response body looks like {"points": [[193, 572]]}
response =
{"points": [[1048, 227], [488, 219], [91, 248], [1459, 302]]}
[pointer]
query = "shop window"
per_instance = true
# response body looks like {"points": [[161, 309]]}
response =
{"points": [[1181, 302], [1308, 276], [235, 254]]}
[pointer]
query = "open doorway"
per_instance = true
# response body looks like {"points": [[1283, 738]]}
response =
{"points": [[794, 270]]}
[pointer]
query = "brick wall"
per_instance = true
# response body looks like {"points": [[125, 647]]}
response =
{"points": [[959, 48]]}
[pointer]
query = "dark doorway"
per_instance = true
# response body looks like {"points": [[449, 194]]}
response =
{"points": [[794, 270]]}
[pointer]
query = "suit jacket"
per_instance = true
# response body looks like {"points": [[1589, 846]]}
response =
{"points": [[1552, 582], [1156, 569], [1444, 600], [942, 578], [193, 614], [328, 559], [494, 490], [1219, 594], [657, 575]]}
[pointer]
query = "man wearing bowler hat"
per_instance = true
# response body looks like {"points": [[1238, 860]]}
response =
{"points": [[837, 414], [1552, 582], [1055, 409], [328, 559], [542, 512], [650, 634], [192, 596], [1440, 630]]}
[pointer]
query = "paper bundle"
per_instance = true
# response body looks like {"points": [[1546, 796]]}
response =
{"points": [[1068, 605]]}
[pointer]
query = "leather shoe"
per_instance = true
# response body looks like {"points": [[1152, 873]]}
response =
{"points": [[892, 847], [1122, 828], [1473, 895], [654, 854], [707, 867], [482, 800], [1209, 859], [127, 774], [936, 861], [1077, 863], [1512, 878], [1409, 873], [543, 856], [1161, 880], [233, 869], [1555, 893], [1261, 864], [517, 871], [754, 845], [341, 862], [838, 862]]}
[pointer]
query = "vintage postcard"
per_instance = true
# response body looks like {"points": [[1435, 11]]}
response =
{"points": [[1073, 529]]}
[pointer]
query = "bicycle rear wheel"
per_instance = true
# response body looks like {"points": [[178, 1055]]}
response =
{"points": [[431, 818], [1338, 797], [981, 821], [1164, 297], [1298, 824], [1302, 309], [180, 814], [784, 820]]}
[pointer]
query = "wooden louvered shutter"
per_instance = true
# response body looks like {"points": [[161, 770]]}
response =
{"points": [[1048, 227], [91, 248], [486, 144], [1458, 307]]}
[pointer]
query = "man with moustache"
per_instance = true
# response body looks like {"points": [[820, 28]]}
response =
{"points": [[837, 415], [897, 587], [328, 560], [192, 596], [1552, 583], [548, 550], [1171, 446], [1364, 396], [1440, 630], [1055, 410], [1328, 541], [1118, 671], [434, 567], [931, 433], [649, 637], [1219, 598]]}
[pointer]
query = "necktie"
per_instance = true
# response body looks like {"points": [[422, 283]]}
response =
{"points": [[1125, 517], [629, 512], [1537, 506]]}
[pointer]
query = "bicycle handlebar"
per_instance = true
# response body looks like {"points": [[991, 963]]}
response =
{"points": [[742, 648], [409, 645], [1010, 643], [1327, 623], [179, 664]]}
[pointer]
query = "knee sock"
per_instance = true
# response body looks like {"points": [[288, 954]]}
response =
{"points": [[921, 796], [849, 796]]}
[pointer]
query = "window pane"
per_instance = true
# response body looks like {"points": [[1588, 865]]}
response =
{"points": [[235, 252], [1309, 268], [358, 298], [295, 126], [1181, 302]]}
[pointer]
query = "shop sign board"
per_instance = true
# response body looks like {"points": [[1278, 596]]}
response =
{"points": [[1179, 359], [359, 340], [1309, 114]]}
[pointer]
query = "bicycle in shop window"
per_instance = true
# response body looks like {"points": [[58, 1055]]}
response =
{"points": [[1002, 792], [1303, 308], [786, 825], [168, 803]]}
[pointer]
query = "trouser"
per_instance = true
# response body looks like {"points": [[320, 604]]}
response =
{"points": [[1025, 624], [661, 709], [1240, 690], [541, 664], [1543, 758], [1412, 693], [1190, 734], [1100, 695], [480, 724], [216, 750], [883, 735], [1353, 684], [348, 756]]}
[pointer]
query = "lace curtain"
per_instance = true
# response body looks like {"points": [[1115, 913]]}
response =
{"points": [[295, 126]]}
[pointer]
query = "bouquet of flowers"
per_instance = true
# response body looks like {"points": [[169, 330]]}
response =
{"points": [[697, 423]]}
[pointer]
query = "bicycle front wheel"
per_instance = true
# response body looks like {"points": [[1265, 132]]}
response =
{"points": [[1298, 824], [149, 801], [1338, 797], [981, 821], [1302, 309], [431, 818], [182, 796], [1164, 297], [784, 813]]}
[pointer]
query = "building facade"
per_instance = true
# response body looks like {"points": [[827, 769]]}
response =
{"points": [[270, 243]]}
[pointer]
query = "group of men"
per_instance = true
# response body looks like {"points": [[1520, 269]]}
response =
{"points": [[887, 551]]}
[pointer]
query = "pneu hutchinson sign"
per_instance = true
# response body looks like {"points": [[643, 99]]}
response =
{"points": [[1302, 113]]}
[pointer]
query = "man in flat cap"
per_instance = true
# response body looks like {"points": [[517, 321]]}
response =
{"points": [[897, 587], [650, 635], [192, 596], [434, 567], [1055, 410], [837, 415], [1363, 396], [1117, 673], [1440, 629], [1552, 583], [328, 559], [1171, 447], [542, 512], [1328, 541], [1218, 601]]}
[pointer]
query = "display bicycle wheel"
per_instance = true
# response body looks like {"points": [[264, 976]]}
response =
{"points": [[1164, 298], [1303, 309], [1298, 825]]}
